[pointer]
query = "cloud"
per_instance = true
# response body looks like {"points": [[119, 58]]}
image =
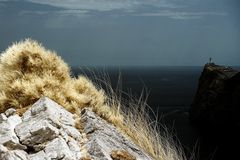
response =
{"points": [[182, 15], [106, 5], [60, 12], [98, 5], [161, 8]]}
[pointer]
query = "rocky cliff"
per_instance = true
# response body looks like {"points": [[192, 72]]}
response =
{"points": [[217, 100], [47, 131]]}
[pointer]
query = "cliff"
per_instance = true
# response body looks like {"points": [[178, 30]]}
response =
{"points": [[217, 100], [48, 131]]}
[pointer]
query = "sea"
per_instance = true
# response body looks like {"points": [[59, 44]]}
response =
{"points": [[170, 91]]}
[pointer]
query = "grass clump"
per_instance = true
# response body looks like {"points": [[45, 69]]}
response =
{"points": [[29, 71]]}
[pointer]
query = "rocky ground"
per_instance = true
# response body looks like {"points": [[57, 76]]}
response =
{"points": [[48, 131]]}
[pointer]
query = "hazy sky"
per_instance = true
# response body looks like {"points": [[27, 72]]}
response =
{"points": [[127, 32]]}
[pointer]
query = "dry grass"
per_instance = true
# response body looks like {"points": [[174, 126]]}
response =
{"points": [[29, 71], [121, 155], [138, 125]]}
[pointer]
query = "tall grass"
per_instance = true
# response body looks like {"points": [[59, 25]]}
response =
{"points": [[137, 124], [29, 71]]}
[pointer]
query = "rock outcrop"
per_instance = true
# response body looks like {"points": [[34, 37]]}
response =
{"points": [[48, 131], [217, 101]]}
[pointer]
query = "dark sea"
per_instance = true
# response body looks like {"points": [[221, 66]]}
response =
{"points": [[170, 93]]}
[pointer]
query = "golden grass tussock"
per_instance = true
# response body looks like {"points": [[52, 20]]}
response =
{"points": [[29, 71]]}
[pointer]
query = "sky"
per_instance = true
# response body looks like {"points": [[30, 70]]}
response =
{"points": [[127, 32]]}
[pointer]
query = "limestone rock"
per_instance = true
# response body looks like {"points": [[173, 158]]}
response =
{"points": [[58, 149], [3, 150], [75, 148], [36, 132], [45, 108], [7, 134], [38, 156], [14, 155], [105, 138], [10, 112], [41, 123], [3, 117], [47, 131]]}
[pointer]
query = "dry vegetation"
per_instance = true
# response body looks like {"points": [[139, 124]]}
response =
{"points": [[29, 71]]}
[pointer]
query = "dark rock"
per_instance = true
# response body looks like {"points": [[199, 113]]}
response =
{"points": [[217, 101]]}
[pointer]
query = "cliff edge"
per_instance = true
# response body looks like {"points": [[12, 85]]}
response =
{"points": [[217, 100]]}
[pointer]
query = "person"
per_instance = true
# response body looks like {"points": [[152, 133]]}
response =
{"points": [[210, 60]]}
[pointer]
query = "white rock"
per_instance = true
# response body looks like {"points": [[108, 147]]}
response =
{"points": [[7, 134], [10, 112], [72, 132], [14, 155], [42, 122], [38, 156], [3, 117], [45, 108], [36, 131], [104, 138], [3, 150], [48, 132], [58, 149], [14, 120], [98, 150], [74, 146], [63, 134]]}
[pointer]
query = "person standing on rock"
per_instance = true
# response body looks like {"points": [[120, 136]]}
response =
{"points": [[210, 60]]}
